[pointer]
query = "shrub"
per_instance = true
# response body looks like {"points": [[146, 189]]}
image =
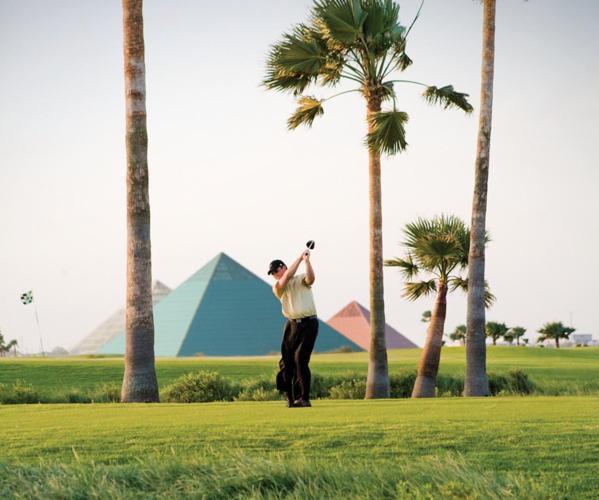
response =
{"points": [[106, 393], [73, 396], [19, 393], [258, 390], [200, 387], [448, 385], [354, 388], [402, 383], [519, 383], [514, 382]]}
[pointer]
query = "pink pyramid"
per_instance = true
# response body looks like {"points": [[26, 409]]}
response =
{"points": [[353, 321]]}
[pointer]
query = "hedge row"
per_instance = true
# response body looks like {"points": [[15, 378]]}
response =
{"points": [[203, 387], [206, 386]]}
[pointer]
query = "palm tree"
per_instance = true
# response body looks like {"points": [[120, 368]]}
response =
{"points": [[6, 347], [476, 382], [139, 381], [495, 330], [556, 331], [361, 42], [516, 332], [459, 334], [438, 247]]}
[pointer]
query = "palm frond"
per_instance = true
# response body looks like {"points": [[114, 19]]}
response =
{"points": [[456, 282], [309, 108], [407, 266], [447, 97], [296, 61], [388, 134], [415, 289], [343, 19]]}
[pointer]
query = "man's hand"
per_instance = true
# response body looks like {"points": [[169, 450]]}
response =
{"points": [[306, 255]]}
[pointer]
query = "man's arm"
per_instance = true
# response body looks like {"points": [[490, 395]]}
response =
{"points": [[280, 284], [309, 279]]}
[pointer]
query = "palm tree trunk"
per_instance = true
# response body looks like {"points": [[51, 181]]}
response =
{"points": [[377, 384], [139, 381], [426, 380], [476, 382]]}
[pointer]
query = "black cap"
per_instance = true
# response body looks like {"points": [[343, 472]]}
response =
{"points": [[275, 265]]}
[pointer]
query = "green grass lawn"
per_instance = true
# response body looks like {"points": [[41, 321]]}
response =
{"points": [[552, 439], [556, 371], [508, 447]]}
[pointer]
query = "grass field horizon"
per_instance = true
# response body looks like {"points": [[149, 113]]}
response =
{"points": [[555, 371]]}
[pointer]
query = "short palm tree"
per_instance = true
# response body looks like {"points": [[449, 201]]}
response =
{"points": [[516, 332], [495, 330], [555, 330], [5, 347], [360, 42], [139, 381], [439, 248], [459, 334]]}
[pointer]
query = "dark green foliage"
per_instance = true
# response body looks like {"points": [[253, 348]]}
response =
{"points": [[258, 390], [448, 385], [514, 382], [204, 386], [19, 393], [360, 41], [401, 384], [447, 97], [555, 331], [388, 134], [495, 330], [201, 387], [352, 388]]}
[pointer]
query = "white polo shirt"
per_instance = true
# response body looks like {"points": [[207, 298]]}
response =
{"points": [[296, 298]]}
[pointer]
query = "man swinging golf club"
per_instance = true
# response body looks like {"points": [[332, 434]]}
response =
{"points": [[295, 293]]}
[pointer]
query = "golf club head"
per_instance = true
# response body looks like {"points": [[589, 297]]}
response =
{"points": [[310, 244]]}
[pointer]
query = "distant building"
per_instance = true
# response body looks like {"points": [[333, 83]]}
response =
{"points": [[114, 325], [353, 321], [221, 310], [582, 339]]}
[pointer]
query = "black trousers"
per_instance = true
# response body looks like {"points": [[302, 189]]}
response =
{"points": [[296, 349]]}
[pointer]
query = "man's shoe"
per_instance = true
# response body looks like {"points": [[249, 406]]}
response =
{"points": [[302, 403]]}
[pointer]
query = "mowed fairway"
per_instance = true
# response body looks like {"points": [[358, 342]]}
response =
{"points": [[569, 371], [501, 447], [556, 438]]}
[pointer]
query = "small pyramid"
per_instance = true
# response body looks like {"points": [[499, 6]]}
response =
{"points": [[353, 321], [114, 325], [222, 310]]}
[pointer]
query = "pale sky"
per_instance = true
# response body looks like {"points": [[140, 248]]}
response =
{"points": [[226, 175]]}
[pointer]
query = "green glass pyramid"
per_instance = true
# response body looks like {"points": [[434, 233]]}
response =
{"points": [[222, 310]]}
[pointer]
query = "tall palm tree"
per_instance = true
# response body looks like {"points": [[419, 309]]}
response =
{"points": [[495, 330], [476, 382], [555, 330], [361, 42], [438, 247], [139, 381], [516, 332]]}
